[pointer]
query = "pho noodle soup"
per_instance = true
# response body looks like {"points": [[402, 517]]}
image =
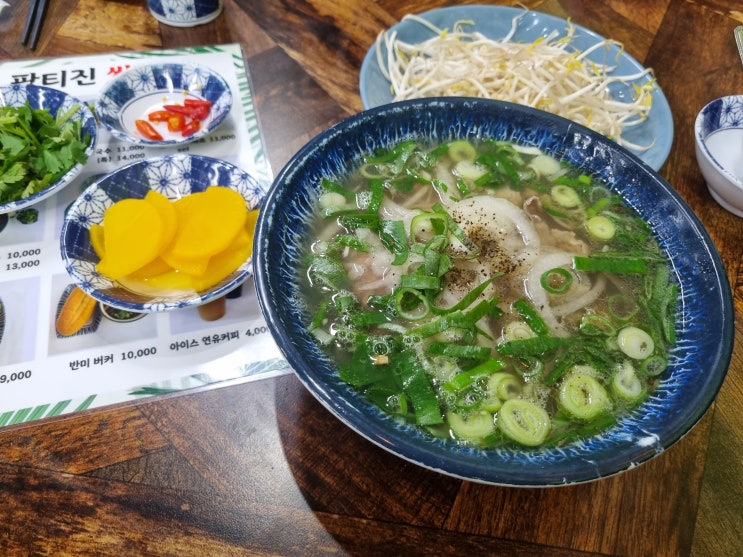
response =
{"points": [[488, 293]]}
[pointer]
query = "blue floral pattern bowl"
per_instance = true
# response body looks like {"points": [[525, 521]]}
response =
{"points": [[52, 101], [172, 175], [142, 89], [698, 362]]}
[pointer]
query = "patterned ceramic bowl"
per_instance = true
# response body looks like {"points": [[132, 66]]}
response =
{"points": [[185, 13], [132, 95], [55, 102], [173, 176], [704, 328], [718, 138]]}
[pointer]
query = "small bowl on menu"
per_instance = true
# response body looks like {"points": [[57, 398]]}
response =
{"points": [[718, 138], [68, 117], [162, 105], [191, 219]]}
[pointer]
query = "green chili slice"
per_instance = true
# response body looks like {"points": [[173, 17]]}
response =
{"points": [[556, 281]]}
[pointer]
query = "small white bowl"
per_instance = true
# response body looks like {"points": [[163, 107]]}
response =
{"points": [[718, 135], [143, 89]]}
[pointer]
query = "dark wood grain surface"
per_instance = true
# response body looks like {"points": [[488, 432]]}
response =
{"points": [[261, 468]]}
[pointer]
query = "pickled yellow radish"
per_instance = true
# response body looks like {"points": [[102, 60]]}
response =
{"points": [[225, 262], [96, 240], [208, 221], [188, 244], [133, 231], [165, 207], [194, 266]]}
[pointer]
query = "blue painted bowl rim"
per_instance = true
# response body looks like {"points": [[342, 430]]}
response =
{"points": [[124, 135], [623, 447], [90, 126]]}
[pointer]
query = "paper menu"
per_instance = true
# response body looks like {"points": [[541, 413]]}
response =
{"points": [[43, 373]]}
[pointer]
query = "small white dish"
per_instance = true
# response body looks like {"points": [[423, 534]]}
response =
{"points": [[718, 140], [143, 89]]}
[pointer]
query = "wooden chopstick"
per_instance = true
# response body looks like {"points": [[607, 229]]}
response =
{"points": [[34, 21]]}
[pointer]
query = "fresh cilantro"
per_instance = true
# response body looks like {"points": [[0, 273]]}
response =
{"points": [[37, 149]]}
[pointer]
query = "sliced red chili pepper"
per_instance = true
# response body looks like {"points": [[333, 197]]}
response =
{"points": [[159, 116], [146, 129], [180, 109], [190, 128], [176, 122], [189, 101], [198, 111]]}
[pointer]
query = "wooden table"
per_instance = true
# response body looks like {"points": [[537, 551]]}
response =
{"points": [[261, 468]]}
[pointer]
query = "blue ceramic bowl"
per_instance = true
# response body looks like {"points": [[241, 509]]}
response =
{"points": [[53, 101], [173, 176], [140, 90], [495, 23], [698, 363]]}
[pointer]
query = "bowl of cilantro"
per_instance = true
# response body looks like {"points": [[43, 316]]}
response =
{"points": [[46, 137]]}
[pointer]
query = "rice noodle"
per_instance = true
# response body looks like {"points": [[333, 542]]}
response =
{"points": [[545, 74]]}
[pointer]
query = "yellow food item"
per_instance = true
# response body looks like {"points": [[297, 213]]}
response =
{"points": [[200, 239], [75, 313], [223, 263], [166, 209], [96, 239], [133, 231], [207, 222]]}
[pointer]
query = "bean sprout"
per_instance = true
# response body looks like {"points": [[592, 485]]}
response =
{"points": [[545, 74]]}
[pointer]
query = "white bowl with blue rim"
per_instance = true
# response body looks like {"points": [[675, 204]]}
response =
{"points": [[174, 176], [53, 101], [698, 361], [131, 95], [495, 22], [718, 140]]}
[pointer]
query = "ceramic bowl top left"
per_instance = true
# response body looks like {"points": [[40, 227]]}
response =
{"points": [[52, 101], [133, 94], [174, 176]]}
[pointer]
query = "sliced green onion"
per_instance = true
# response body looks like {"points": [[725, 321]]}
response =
{"points": [[458, 350], [596, 325], [474, 427], [565, 196], [581, 395], [420, 282], [411, 304], [621, 307], [635, 343], [601, 227], [654, 365], [535, 346], [524, 422], [529, 314], [621, 265], [504, 385], [625, 383], [334, 187], [556, 281], [393, 237], [462, 151]]}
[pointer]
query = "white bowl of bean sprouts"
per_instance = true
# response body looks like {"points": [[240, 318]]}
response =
{"points": [[493, 292], [526, 57]]}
